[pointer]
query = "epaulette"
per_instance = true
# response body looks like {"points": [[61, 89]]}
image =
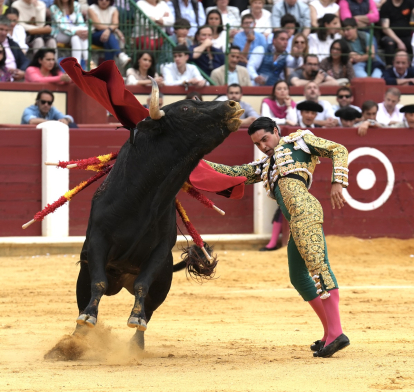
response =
{"points": [[297, 139]]}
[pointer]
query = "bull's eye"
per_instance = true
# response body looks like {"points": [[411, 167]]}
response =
{"points": [[185, 108]]}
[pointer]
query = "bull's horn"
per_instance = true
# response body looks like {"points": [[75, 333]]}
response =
{"points": [[154, 109]]}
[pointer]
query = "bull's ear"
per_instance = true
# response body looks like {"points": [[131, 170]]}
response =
{"points": [[154, 108]]}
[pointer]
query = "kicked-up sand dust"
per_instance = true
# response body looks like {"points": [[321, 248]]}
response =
{"points": [[247, 330]]}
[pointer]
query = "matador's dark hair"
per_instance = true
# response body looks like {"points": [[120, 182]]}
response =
{"points": [[265, 123]]}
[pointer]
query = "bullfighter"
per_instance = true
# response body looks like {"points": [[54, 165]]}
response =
{"points": [[286, 172]]}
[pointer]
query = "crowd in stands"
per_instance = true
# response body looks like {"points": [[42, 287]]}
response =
{"points": [[278, 43]]}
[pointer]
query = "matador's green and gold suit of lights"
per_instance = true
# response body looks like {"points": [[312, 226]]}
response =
{"points": [[287, 176]]}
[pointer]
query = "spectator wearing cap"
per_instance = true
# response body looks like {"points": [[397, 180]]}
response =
{"points": [[297, 8], [389, 110], [268, 64], [308, 112], [235, 93], [408, 120], [179, 73], [347, 117], [236, 73], [325, 118], [311, 72], [344, 98], [203, 53], [248, 39], [43, 110], [369, 114], [401, 73]]}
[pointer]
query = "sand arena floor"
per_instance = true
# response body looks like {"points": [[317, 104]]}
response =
{"points": [[245, 331]]}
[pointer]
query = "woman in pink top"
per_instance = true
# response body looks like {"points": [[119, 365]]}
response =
{"points": [[43, 68]]}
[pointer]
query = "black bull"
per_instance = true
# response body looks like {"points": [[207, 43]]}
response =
{"points": [[132, 224]]}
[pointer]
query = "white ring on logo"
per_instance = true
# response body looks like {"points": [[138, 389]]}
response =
{"points": [[359, 152]]}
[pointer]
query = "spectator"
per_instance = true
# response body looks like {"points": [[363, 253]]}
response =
{"points": [[32, 16], [369, 114], [181, 28], [17, 32], [215, 21], [159, 12], [203, 53], [237, 74], [105, 21], [347, 117], [262, 17], [15, 61], [358, 42], [396, 14], [321, 41], [44, 69], [195, 95], [288, 23], [308, 112], [68, 26], [267, 65], [408, 121], [5, 74], [319, 8], [298, 52], [337, 64], [279, 106], [43, 110], [344, 98], [324, 118], [248, 39], [180, 73], [311, 72], [364, 12], [230, 15], [401, 73], [192, 10], [234, 92], [144, 67], [297, 8], [389, 110]]}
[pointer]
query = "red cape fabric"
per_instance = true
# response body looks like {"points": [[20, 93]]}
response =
{"points": [[106, 85]]}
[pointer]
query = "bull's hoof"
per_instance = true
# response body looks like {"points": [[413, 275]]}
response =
{"points": [[85, 319], [138, 323]]}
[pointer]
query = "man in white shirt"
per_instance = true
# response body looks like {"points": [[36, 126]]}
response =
{"points": [[389, 110], [309, 110], [179, 72], [326, 118]]}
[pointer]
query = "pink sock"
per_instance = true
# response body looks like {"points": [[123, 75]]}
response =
{"points": [[275, 235], [317, 306], [331, 306]]}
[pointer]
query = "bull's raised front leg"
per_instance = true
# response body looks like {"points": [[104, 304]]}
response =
{"points": [[98, 285]]}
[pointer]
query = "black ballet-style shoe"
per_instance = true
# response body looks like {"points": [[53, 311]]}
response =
{"points": [[316, 346], [264, 249], [339, 343]]}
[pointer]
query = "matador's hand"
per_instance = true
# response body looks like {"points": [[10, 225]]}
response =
{"points": [[337, 198]]}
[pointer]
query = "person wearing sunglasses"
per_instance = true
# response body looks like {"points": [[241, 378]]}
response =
{"points": [[43, 110], [344, 98]]}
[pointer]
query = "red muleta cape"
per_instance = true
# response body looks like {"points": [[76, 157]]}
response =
{"points": [[106, 85]]}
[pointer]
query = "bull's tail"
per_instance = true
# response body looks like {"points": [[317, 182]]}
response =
{"points": [[196, 263]]}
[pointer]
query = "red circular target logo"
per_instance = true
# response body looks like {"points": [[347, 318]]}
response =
{"points": [[366, 179]]}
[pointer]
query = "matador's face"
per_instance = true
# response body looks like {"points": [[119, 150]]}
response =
{"points": [[266, 141]]}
